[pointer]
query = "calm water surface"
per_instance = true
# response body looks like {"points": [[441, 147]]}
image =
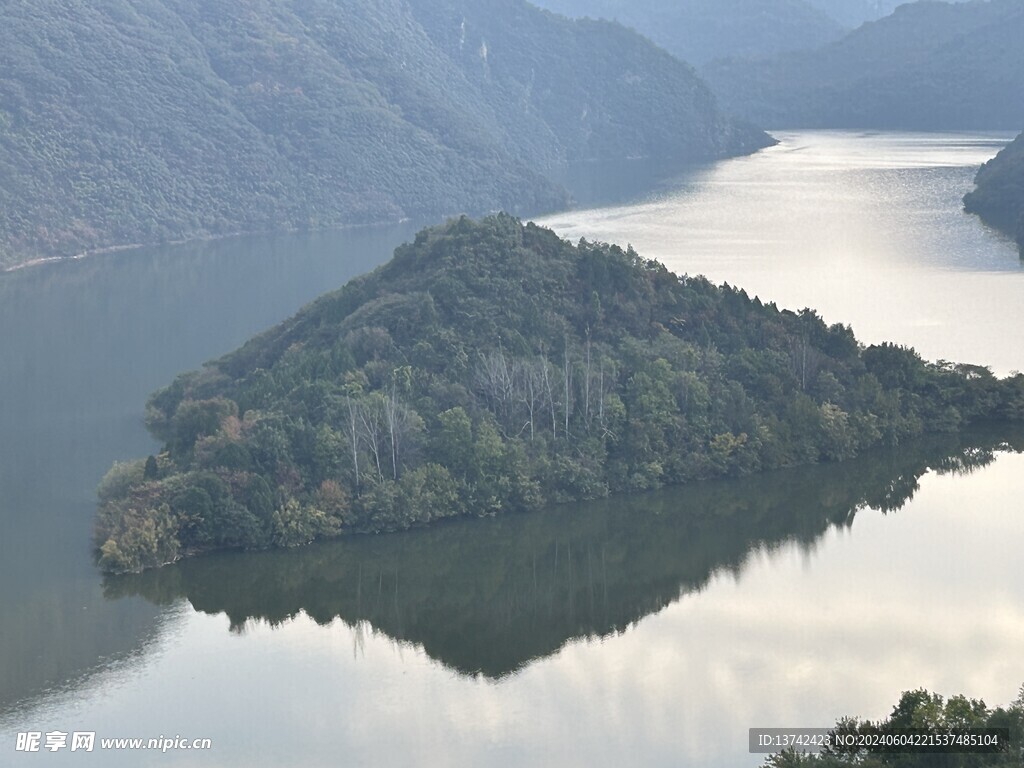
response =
{"points": [[651, 631], [865, 228]]}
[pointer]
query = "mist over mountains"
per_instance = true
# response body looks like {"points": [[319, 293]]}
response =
{"points": [[146, 121], [699, 31], [928, 66], [853, 13]]}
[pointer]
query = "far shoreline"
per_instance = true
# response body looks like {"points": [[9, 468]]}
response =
{"points": [[422, 220], [111, 249]]}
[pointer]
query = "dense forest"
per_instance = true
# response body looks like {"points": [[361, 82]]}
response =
{"points": [[999, 195], [928, 66], [490, 599], [699, 31], [492, 367], [142, 121], [927, 714]]}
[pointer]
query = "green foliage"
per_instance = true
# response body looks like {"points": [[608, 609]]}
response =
{"points": [[199, 418], [143, 538], [999, 195], [144, 121], [430, 493], [535, 371], [120, 478], [924, 712], [294, 524]]}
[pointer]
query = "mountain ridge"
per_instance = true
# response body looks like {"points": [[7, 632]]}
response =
{"points": [[703, 30], [148, 121], [928, 66]]}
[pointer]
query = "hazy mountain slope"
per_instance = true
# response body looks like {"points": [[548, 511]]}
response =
{"points": [[701, 30], [999, 196], [621, 96], [853, 13], [127, 121], [930, 65]]}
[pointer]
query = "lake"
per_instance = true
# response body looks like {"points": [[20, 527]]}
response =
{"points": [[653, 630]]}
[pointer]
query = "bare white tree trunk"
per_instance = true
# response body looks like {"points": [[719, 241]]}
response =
{"points": [[586, 386], [545, 368], [353, 433], [396, 416], [369, 417], [567, 380]]}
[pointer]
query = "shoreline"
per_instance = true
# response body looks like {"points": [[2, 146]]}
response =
{"points": [[425, 219], [109, 249], [42, 260]]}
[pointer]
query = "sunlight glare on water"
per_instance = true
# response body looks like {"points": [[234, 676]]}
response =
{"points": [[867, 229]]}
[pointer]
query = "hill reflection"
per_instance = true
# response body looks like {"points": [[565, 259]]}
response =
{"points": [[489, 596]]}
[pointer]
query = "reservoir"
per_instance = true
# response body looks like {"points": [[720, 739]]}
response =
{"points": [[653, 630]]}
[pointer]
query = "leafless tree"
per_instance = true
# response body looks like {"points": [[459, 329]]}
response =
{"points": [[353, 435], [567, 385], [493, 378], [398, 418], [372, 430], [806, 360], [587, 381], [549, 391], [530, 378]]}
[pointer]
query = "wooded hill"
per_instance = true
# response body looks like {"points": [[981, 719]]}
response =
{"points": [[928, 66], [140, 121], [493, 367], [999, 195]]}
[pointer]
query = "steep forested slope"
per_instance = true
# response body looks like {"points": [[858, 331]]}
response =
{"points": [[127, 121], [699, 31], [930, 65], [492, 367], [999, 196]]}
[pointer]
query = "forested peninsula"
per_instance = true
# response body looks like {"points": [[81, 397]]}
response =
{"points": [[492, 367], [999, 194], [147, 121]]}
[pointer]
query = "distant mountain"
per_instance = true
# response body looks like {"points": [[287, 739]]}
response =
{"points": [[999, 196], [929, 65], [699, 31], [138, 121], [853, 13]]}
